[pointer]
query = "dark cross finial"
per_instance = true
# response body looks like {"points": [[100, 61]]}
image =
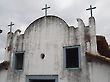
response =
{"points": [[0, 31], [46, 7], [91, 9], [11, 24]]}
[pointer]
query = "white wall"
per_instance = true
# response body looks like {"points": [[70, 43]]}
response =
{"points": [[49, 36], [3, 75], [99, 72]]}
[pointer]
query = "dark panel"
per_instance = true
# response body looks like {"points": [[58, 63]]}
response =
{"points": [[72, 59], [19, 61], [34, 80]]}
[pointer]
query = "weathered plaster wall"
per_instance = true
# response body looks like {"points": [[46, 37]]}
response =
{"points": [[93, 43], [99, 72], [48, 35], [16, 42], [3, 76], [20, 43], [8, 46]]}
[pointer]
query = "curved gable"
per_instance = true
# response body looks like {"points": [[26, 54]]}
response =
{"points": [[47, 20], [47, 36]]}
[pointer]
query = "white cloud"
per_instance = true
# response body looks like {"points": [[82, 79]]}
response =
{"points": [[63, 4]]}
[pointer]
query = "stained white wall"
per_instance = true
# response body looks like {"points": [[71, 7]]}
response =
{"points": [[99, 72], [48, 36], [3, 76]]}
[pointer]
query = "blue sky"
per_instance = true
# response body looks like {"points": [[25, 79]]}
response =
{"points": [[23, 12]]}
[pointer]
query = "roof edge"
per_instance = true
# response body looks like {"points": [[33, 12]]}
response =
{"points": [[97, 57]]}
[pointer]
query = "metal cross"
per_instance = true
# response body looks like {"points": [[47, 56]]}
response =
{"points": [[91, 9], [46, 7], [0, 31], [11, 24]]}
